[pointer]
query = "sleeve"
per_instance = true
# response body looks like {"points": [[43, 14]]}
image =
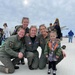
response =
{"points": [[8, 48], [73, 33], [59, 43], [46, 50], [58, 53], [22, 49]]}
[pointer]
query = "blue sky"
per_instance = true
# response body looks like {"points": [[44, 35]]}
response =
{"points": [[39, 12]]}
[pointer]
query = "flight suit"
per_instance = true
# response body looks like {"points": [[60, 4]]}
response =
{"points": [[31, 51], [9, 49], [43, 59], [15, 32]]}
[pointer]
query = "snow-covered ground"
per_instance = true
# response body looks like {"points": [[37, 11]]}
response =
{"points": [[65, 67]]}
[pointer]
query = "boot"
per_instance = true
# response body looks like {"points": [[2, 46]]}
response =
{"points": [[16, 67], [22, 61], [49, 71], [54, 72]]}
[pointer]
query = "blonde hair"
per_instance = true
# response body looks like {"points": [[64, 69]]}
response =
{"points": [[33, 27], [42, 25], [57, 21], [21, 28], [53, 31]]}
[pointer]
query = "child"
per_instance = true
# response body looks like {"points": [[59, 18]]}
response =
{"points": [[52, 51]]}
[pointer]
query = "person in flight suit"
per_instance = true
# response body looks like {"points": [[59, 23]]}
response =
{"points": [[31, 45], [13, 47], [25, 22], [44, 37]]}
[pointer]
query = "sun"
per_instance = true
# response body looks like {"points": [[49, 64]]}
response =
{"points": [[26, 2]]}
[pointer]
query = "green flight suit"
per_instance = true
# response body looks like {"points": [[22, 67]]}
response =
{"points": [[15, 32], [43, 59], [31, 51], [9, 49]]}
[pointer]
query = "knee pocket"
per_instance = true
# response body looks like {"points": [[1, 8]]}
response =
{"points": [[42, 66], [30, 55], [35, 67]]}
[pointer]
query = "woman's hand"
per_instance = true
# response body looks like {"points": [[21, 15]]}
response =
{"points": [[64, 54], [20, 55]]}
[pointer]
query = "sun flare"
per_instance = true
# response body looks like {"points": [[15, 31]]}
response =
{"points": [[26, 2]]}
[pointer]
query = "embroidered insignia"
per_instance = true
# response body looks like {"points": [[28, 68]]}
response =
{"points": [[11, 44], [36, 41], [29, 42]]}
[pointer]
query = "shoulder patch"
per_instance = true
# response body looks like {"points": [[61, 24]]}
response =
{"points": [[11, 44]]}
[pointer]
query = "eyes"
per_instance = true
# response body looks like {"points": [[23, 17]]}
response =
{"points": [[42, 28], [52, 36]]}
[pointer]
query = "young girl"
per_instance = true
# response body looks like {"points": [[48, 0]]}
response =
{"points": [[52, 51]]}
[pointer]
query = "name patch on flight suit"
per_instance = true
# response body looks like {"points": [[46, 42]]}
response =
{"points": [[29, 43], [37, 42]]}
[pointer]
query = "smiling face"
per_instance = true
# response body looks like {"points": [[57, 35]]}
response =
{"points": [[43, 30], [33, 31], [25, 22], [53, 36], [21, 33]]}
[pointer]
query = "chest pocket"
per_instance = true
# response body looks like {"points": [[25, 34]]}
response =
{"points": [[17, 45], [28, 44], [36, 44], [14, 45], [42, 42]]}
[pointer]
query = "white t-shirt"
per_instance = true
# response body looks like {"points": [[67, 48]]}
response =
{"points": [[6, 32]]}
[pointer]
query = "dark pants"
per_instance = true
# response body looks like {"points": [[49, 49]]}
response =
{"points": [[52, 65], [15, 61], [0, 41], [21, 60]]}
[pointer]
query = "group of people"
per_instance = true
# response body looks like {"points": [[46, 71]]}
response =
{"points": [[24, 43]]}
